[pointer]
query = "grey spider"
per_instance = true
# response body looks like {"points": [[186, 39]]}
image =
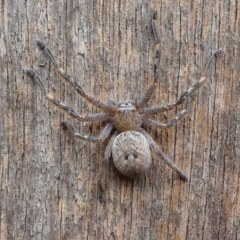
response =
{"points": [[129, 144]]}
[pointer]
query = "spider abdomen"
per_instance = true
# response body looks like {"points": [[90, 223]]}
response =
{"points": [[131, 154]]}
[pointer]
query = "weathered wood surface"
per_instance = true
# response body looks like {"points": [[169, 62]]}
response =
{"points": [[48, 181]]}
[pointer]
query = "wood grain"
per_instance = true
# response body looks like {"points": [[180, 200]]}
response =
{"points": [[49, 181]]}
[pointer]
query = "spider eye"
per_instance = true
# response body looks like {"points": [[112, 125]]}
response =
{"points": [[126, 157]]}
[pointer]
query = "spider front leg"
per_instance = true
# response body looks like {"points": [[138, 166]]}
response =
{"points": [[142, 101], [155, 148], [185, 95], [78, 88], [58, 103]]}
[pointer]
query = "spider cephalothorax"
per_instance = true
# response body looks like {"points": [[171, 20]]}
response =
{"points": [[127, 117], [130, 144]]}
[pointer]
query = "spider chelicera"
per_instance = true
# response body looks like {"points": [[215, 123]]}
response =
{"points": [[129, 144]]}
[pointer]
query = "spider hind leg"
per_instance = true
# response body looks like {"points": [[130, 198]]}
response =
{"points": [[155, 148]]}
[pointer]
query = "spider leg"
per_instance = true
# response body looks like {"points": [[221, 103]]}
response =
{"points": [[142, 101], [107, 155], [151, 122], [155, 148], [58, 103], [186, 94], [95, 102], [154, 27], [102, 136], [147, 95]]}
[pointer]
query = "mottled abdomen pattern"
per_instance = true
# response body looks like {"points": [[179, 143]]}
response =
{"points": [[131, 154]]}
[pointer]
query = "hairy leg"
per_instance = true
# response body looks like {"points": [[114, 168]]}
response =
{"points": [[102, 136], [78, 88], [155, 148], [142, 101], [58, 103], [154, 27], [185, 95], [151, 122], [107, 155]]}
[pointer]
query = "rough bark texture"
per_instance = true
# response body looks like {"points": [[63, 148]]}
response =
{"points": [[48, 181]]}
